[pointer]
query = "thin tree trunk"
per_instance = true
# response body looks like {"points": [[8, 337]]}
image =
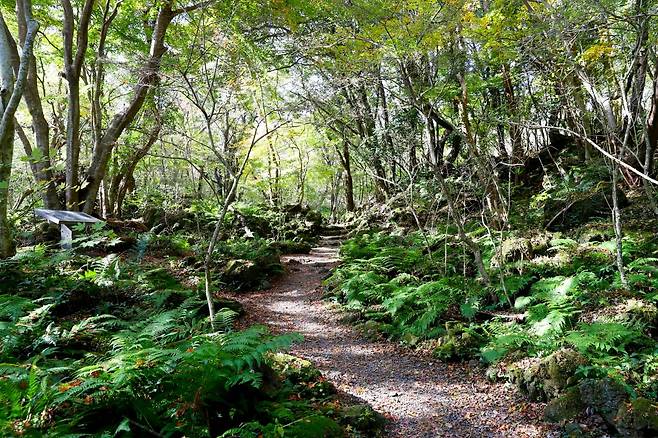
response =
{"points": [[148, 78], [72, 70], [345, 160]]}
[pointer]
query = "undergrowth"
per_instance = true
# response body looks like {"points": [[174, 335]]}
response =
{"points": [[564, 292], [113, 346]]}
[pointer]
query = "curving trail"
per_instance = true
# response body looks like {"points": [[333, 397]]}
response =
{"points": [[421, 396]]}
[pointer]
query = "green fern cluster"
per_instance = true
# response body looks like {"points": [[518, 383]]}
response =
{"points": [[402, 281], [165, 373]]}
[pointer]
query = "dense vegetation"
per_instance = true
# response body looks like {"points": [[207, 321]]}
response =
{"points": [[493, 161]]}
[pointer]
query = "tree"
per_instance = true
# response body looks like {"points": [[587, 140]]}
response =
{"points": [[11, 91]]}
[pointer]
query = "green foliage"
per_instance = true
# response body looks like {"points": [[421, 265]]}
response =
{"points": [[603, 337], [390, 278], [244, 264]]}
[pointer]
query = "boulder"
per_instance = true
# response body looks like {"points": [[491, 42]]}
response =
{"points": [[371, 329], [561, 368], [566, 214], [296, 369], [565, 407], [604, 396], [513, 249], [638, 418], [350, 317], [457, 343], [548, 377], [363, 418]]}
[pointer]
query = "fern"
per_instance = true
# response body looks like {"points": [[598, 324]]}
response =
{"points": [[603, 337]]}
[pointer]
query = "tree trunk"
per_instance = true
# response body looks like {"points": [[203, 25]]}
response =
{"points": [[124, 181], [344, 157], [514, 129], [41, 167], [7, 248], [121, 120], [72, 70], [11, 92]]}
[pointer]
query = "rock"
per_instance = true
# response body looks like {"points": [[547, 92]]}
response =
{"points": [[293, 247], [315, 426], [565, 407], [350, 317], [458, 343], [546, 378], [371, 329], [363, 418], [409, 339], [242, 274], [605, 396], [296, 369], [562, 215], [513, 249], [596, 232], [561, 368], [638, 418], [540, 243], [307, 379]]}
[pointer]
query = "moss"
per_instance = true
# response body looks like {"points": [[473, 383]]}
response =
{"points": [[315, 426], [638, 418], [296, 369], [565, 407], [546, 378], [513, 249], [363, 418], [459, 342]]}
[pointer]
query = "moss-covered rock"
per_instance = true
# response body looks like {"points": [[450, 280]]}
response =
{"points": [[560, 368], [595, 232], [513, 249], [565, 407], [296, 369], [638, 418], [293, 247], [363, 418], [546, 378], [372, 329], [459, 342], [604, 396], [540, 242], [350, 317], [315, 426]]}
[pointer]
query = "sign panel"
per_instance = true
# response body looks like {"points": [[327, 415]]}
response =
{"points": [[64, 216]]}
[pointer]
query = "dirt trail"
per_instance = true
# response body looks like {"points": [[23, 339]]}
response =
{"points": [[421, 396]]}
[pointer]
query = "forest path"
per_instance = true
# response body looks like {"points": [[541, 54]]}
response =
{"points": [[421, 397]]}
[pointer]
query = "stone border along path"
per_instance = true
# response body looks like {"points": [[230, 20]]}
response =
{"points": [[421, 397]]}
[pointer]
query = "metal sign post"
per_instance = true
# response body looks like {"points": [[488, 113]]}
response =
{"points": [[64, 218]]}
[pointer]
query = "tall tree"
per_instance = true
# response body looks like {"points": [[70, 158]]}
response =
{"points": [[11, 92]]}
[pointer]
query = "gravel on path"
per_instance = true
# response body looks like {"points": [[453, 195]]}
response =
{"points": [[422, 397]]}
